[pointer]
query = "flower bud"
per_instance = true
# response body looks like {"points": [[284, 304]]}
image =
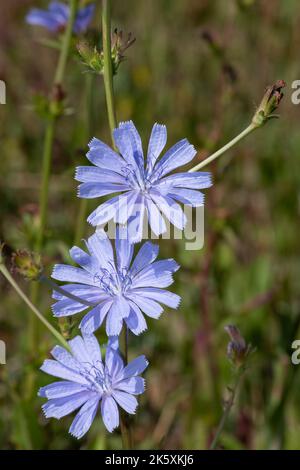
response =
{"points": [[270, 102], [237, 349], [27, 264], [91, 57]]}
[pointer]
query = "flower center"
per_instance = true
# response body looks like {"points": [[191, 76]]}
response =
{"points": [[113, 282], [98, 377]]}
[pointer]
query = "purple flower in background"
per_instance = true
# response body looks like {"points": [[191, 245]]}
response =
{"points": [[121, 288], [56, 17], [145, 185], [89, 382]]}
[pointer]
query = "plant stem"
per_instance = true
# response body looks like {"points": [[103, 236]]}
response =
{"points": [[23, 296], [64, 292], [43, 205], [47, 158], [227, 409], [62, 61], [83, 205], [107, 69], [110, 103], [125, 419], [226, 147]]}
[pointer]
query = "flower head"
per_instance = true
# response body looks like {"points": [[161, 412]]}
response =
{"points": [[120, 287], [89, 382], [145, 187], [55, 19]]}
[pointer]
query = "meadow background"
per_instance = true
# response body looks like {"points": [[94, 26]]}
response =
{"points": [[200, 67]]}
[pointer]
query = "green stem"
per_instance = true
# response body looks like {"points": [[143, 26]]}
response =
{"points": [[226, 147], [227, 408], [125, 419], [65, 293], [47, 158], [43, 205], [62, 61], [107, 68], [23, 296], [83, 205]]}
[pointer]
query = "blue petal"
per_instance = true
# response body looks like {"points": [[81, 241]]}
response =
{"points": [[190, 197], [170, 209], [148, 306], [156, 220], [79, 350], [42, 18], [114, 322], [83, 18], [103, 156], [93, 348], [89, 263], [110, 413], [136, 222], [134, 385], [127, 205], [134, 368], [136, 321], [126, 143], [180, 154], [113, 362], [64, 272], [145, 256], [160, 295], [58, 370], [92, 190], [157, 142], [124, 248], [91, 174], [198, 180], [65, 358], [66, 307], [59, 407], [101, 248], [82, 291], [84, 418], [60, 389], [94, 319], [136, 143], [126, 401], [107, 210]]}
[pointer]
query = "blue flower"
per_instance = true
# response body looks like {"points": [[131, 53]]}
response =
{"points": [[120, 288], [56, 17], [146, 187], [88, 382]]}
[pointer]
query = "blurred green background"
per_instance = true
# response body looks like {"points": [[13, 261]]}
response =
{"points": [[200, 67]]}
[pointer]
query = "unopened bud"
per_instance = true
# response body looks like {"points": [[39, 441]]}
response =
{"points": [[91, 57], [237, 349], [27, 264], [66, 326], [270, 102]]}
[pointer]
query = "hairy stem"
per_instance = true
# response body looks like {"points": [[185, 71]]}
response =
{"points": [[37, 313], [226, 147], [227, 408]]}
